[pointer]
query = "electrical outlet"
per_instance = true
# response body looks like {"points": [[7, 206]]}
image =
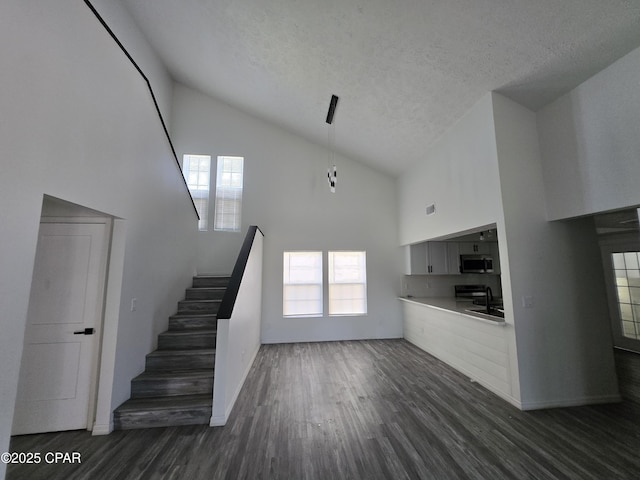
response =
{"points": [[134, 304], [527, 301]]}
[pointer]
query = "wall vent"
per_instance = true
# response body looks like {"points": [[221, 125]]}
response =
{"points": [[431, 209]]}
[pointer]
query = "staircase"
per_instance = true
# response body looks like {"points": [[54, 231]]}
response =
{"points": [[176, 387]]}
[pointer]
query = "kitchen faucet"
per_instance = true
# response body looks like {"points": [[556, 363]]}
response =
{"points": [[489, 295]]}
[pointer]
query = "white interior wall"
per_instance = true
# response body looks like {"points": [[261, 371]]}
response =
{"points": [[125, 28], [286, 194], [78, 124], [590, 144], [485, 170], [565, 354], [460, 175]]}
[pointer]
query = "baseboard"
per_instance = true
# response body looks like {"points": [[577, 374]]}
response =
{"points": [[221, 420], [503, 395], [102, 429], [571, 402], [218, 421]]}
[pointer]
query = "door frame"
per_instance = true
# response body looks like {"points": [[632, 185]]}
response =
{"points": [[102, 288], [613, 244]]}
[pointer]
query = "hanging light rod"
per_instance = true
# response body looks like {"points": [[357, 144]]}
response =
{"points": [[332, 108]]}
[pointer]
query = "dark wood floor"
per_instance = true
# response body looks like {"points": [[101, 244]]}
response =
{"points": [[364, 410]]}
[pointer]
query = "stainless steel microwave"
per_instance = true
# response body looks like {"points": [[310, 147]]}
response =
{"points": [[476, 264]]}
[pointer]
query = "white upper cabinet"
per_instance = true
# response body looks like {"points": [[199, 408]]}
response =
{"points": [[453, 255], [416, 259], [437, 259], [475, 247], [429, 258]]}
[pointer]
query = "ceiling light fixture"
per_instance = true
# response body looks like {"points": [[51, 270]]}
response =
{"points": [[332, 176]]}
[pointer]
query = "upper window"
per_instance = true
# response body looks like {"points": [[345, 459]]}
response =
{"points": [[302, 284], [228, 205], [197, 172], [347, 283]]}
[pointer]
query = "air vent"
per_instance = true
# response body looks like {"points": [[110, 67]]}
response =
{"points": [[431, 209]]}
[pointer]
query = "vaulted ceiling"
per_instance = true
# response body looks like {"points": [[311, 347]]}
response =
{"points": [[405, 71]]}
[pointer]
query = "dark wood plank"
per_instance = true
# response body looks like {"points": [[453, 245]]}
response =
{"points": [[370, 409]]}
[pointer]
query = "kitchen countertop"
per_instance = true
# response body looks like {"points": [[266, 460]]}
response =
{"points": [[454, 305]]}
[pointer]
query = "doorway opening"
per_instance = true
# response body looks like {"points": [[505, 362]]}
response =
{"points": [[619, 238], [63, 354]]}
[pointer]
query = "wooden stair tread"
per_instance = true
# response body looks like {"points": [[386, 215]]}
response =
{"points": [[163, 403], [190, 331], [177, 374], [205, 301], [215, 288], [192, 351]]}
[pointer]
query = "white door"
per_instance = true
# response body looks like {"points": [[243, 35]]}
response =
{"points": [[59, 359]]}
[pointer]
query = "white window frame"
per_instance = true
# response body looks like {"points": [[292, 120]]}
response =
{"points": [[302, 285], [229, 186], [198, 181], [347, 283]]}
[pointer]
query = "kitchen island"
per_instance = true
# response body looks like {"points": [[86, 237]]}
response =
{"points": [[476, 346]]}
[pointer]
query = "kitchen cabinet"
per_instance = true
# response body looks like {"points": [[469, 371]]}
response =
{"points": [[453, 257], [428, 258], [467, 248], [437, 259], [416, 259]]}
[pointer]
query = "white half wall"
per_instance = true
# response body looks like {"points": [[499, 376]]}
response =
{"points": [[78, 124], [238, 338], [590, 143], [287, 195], [478, 349]]}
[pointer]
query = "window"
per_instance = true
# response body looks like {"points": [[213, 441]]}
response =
{"points": [[347, 283], [627, 274], [197, 173], [228, 194], [302, 284]]}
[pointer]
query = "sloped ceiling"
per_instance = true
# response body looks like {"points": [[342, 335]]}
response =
{"points": [[405, 71]]}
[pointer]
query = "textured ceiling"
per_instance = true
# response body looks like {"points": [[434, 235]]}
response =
{"points": [[404, 71]]}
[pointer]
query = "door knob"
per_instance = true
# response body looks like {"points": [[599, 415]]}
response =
{"points": [[86, 331]]}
